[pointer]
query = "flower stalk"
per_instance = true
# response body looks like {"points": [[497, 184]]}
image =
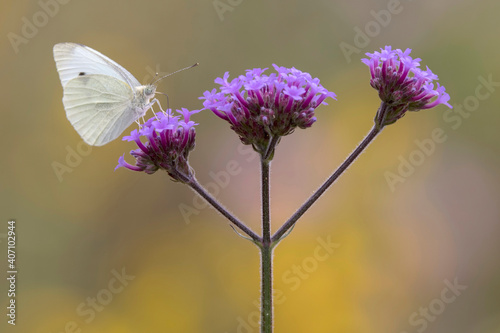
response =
{"points": [[266, 250]]}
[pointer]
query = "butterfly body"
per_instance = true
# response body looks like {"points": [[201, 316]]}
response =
{"points": [[144, 94]]}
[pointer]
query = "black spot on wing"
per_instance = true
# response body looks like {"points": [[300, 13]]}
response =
{"points": [[81, 74]]}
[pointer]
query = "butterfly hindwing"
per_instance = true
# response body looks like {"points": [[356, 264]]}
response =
{"points": [[99, 107]]}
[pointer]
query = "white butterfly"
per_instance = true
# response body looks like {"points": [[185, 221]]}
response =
{"points": [[101, 98]]}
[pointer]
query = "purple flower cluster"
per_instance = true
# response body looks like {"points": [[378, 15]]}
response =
{"points": [[169, 139], [262, 107], [402, 85]]}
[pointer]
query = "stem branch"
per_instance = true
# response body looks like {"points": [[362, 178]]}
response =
{"points": [[343, 167], [221, 209]]}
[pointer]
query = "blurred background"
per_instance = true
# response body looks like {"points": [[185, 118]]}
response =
{"points": [[413, 232]]}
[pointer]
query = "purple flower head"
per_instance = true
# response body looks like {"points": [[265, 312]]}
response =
{"points": [[168, 141], [402, 85], [262, 107]]}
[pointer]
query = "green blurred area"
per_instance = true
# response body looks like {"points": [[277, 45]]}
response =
{"points": [[397, 246]]}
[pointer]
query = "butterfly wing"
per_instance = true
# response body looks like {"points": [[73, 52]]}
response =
{"points": [[73, 60], [100, 107]]}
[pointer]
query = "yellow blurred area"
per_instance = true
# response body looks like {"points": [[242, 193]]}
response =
{"points": [[100, 250]]}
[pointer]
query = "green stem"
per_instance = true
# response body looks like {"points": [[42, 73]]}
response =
{"points": [[266, 250], [193, 183], [267, 289], [343, 167], [270, 147], [266, 210]]}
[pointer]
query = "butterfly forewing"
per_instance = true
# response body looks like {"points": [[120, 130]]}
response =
{"points": [[73, 60]]}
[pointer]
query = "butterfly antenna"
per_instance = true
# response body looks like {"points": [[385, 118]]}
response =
{"points": [[154, 78], [180, 70]]}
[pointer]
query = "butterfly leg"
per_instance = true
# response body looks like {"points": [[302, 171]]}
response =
{"points": [[159, 105], [154, 112], [143, 111], [142, 114], [168, 101], [138, 122]]}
